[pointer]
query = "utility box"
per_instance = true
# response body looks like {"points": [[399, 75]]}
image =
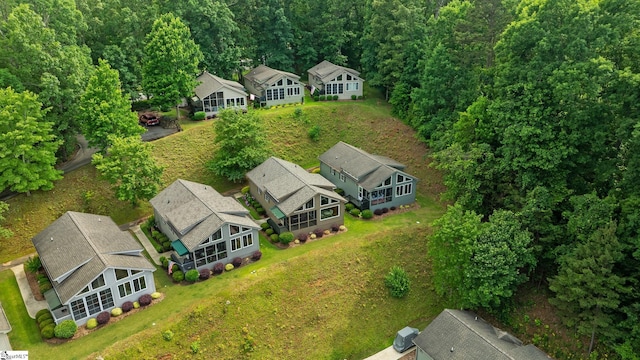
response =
{"points": [[404, 339]]}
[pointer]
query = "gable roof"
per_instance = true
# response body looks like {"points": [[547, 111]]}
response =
{"points": [[290, 185], [210, 83], [263, 76], [195, 211], [327, 71], [78, 247], [459, 335], [368, 170]]}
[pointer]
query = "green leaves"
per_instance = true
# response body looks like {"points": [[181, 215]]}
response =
{"points": [[397, 281]]}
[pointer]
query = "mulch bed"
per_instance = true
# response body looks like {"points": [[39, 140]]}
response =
{"points": [[33, 284]]}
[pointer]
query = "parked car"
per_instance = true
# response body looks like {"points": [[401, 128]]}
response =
{"points": [[404, 339], [149, 119]]}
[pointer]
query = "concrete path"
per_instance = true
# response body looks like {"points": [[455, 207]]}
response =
{"points": [[389, 354], [5, 327], [32, 305], [155, 256]]}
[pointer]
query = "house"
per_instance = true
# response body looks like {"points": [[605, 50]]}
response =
{"points": [[462, 335], [274, 87], [369, 181], [295, 200], [214, 94], [93, 266], [331, 79], [204, 227]]}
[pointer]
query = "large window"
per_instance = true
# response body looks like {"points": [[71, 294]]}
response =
{"points": [[92, 304], [329, 212], [325, 200], [106, 298], [131, 287], [78, 309], [302, 220], [334, 89], [214, 237], [352, 86], [211, 254], [381, 196], [98, 282], [308, 205], [213, 102], [121, 274], [405, 189], [241, 242]]}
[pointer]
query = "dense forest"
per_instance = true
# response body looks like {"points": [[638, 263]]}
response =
{"points": [[531, 109]]}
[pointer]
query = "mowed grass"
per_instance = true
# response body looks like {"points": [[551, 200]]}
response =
{"points": [[366, 124]]}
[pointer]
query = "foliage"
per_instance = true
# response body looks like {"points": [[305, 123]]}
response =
{"points": [[314, 132], [116, 312], [286, 238], [48, 332], [367, 214], [177, 276], [105, 110], [229, 267], [256, 255], [274, 238], [103, 317], [242, 144], [33, 264], [27, 144], [349, 206], [245, 190], [318, 233], [204, 274], [145, 300], [269, 231], [264, 226], [127, 306], [4, 233], [92, 323], [355, 212], [171, 61], [66, 329], [199, 115], [191, 275], [130, 168], [303, 237], [45, 323], [218, 268], [167, 335], [42, 312], [136, 304], [397, 281], [236, 261], [155, 295]]}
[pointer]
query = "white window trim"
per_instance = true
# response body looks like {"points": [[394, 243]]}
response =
{"points": [[328, 207]]}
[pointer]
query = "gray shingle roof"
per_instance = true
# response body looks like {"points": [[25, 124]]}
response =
{"points": [[263, 76], [210, 83], [367, 169], [327, 71], [471, 338], [78, 247], [289, 184], [196, 210]]}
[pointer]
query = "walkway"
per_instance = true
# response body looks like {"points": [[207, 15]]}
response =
{"points": [[5, 327], [153, 254], [30, 302]]}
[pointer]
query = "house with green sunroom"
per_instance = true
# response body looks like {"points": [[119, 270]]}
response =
{"points": [[93, 266], [204, 226], [368, 181]]}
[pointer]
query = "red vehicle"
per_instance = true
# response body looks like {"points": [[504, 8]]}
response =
{"points": [[149, 119]]}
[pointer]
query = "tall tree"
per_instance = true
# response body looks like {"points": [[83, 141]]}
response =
{"points": [[104, 110], [129, 166], [4, 232], [274, 46], [27, 144], [242, 142], [171, 62]]}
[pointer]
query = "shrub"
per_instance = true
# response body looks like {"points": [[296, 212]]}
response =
{"points": [[339, 191], [355, 212], [257, 255], [199, 115], [245, 190], [33, 264], [269, 231], [46, 323], [335, 97], [167, 335], [393, 208], [204, 274], [297, 113], [166, 246], [43, 317], [316, 98], [353, 97], [237, 261], [260, 210], [322, 98], [145, 300], [92, 323], [42, 312], [116, 312], [312, 236], [48, 332], [175, 268], [377, 212], [66, 329], [397, 281], [103, 317], [385, 210], [349, 206], [155, 295], [218, 268], [162, 259], [45, 287], [274, 237], [286, 237], [342, 228], [318, 233], [165, 264], [136, 304], [192, 275], [264, 226], [177, 276], [303, 237], [360, 97], [127, 306], [367, 214], [228, 267], [314, 132]]}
